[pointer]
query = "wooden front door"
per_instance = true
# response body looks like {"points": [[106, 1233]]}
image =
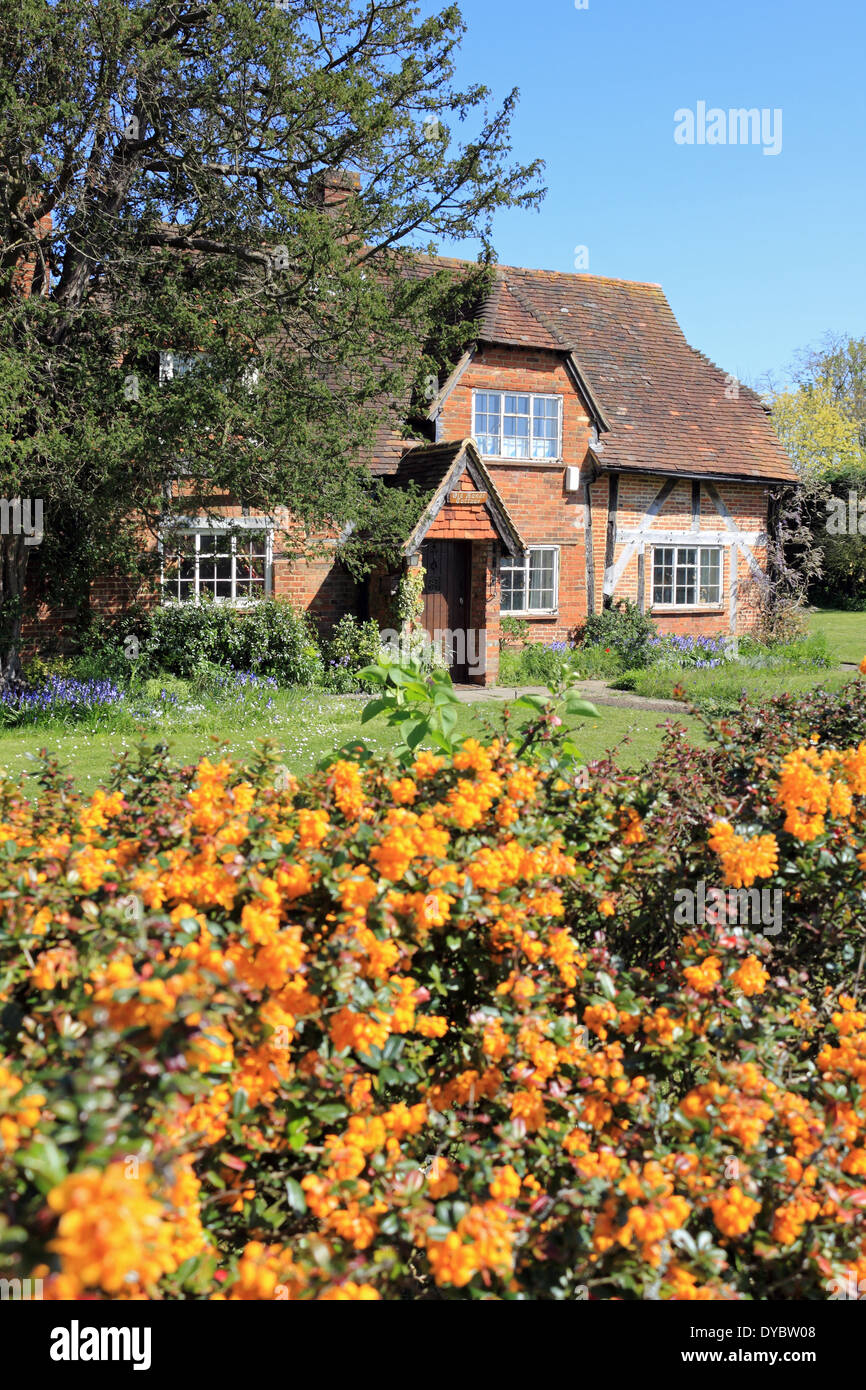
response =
{"points": [[446, 600]]}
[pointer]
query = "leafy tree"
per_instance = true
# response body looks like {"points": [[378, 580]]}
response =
{"points": [[822, 420], [170, 182], [818, 436], [839, 368], [820, 548]]}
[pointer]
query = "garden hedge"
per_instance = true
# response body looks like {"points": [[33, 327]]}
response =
{"points": [[433, 1033]]}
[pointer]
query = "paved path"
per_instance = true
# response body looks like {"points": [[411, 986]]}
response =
{"points": [[597, 691]]}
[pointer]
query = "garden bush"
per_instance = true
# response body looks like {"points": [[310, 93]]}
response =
{"points": [[434, 1032], [350, 646], [269, 638], [188, 641], [538, 663], [623, 628]]}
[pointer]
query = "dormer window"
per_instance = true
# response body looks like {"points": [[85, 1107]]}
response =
{"points": [[510, 426]]}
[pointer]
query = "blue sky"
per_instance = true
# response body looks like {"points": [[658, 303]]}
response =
{"points": [[759, 255]]}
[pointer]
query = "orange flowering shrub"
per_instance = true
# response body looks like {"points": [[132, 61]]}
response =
{"points": [[380, 1035]]}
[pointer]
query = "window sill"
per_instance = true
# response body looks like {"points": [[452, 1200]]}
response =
{"points": [[522, 463], [536, 615], [243, 603], [673, 608]]}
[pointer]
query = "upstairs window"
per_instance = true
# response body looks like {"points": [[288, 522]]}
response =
{"points": [[176, 364], [173, 365], [687, 576], [516, 426], [227, 565]]}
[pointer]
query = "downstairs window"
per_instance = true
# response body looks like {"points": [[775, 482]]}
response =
{"points": [[530, 582], [228, 564], [687, 576]]}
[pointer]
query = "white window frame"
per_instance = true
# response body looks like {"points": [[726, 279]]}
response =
{"points": [[176, 364], [531, 396], [198, 529], [513, 562], [697, 602]]}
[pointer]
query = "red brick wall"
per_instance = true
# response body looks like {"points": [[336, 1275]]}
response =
{"points": [[747, 505], [545, 514], [316, 584], [534, 492], [484, 607], [22, 278]]}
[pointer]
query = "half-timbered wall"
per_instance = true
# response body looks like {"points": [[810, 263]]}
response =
{"points": [[642, 511]]}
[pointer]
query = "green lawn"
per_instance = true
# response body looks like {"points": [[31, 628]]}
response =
{"points": [[845, 633], [724, 686], [308, 725]]}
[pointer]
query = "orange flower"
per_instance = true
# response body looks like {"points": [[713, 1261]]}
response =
{"points": [[751, 977], [111, 1229], [733, 1211], [704, 977], [403, 791], [744, 860], [505, 1185]]}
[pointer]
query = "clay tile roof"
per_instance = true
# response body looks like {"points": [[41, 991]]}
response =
{"points": [[506, 319], [435, 469], [670, 409]]}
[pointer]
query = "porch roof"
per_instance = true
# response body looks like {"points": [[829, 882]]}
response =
{"points": [[438, 468]]}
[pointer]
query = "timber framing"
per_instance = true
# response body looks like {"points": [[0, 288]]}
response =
{"points": [[634, 540]]}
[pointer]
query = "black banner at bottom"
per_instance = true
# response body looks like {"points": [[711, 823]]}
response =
{"points": [[159, 1338]]}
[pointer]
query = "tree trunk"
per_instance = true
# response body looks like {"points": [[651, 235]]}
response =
{"points": [[13, 568]]}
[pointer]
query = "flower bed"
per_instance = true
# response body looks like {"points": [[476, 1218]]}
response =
{"points": [[434, 1033]]}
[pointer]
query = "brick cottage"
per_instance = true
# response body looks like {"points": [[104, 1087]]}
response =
{"points": [[581, 451]]}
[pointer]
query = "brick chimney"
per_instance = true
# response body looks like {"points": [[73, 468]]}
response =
{"points": [[335, 186]]}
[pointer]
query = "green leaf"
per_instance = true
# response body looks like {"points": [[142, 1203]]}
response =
{"points": [[330, 1113], [295, 1195], [373, 673], [574, 705], [417, 734], [448, 718], [45, 1162], [441, 740], [535, 702], [374, 708], [445, 695], [606, 985], [188, 1267]]}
